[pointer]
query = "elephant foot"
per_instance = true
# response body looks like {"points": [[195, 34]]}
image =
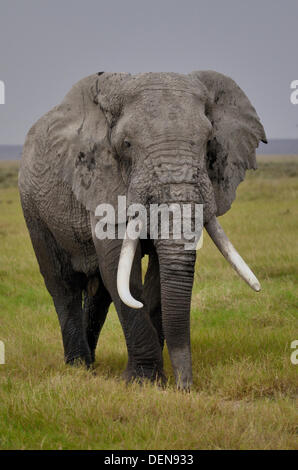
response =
{"points": [[80, 360], [184, 385], [142, 375]]}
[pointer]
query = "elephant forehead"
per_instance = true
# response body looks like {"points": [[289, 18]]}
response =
{"points": [[162, 82], [164, 101], [167, 104]]}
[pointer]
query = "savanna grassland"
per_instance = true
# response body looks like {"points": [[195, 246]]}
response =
{"points": [[245, 386]]}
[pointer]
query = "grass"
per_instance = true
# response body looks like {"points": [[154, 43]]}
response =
{"points": [[245, 386]]}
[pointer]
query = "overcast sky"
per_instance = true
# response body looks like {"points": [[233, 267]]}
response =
{"points": [[48, 45]]}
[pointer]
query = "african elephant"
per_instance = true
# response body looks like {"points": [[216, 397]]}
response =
{"points": [[155, 138]]}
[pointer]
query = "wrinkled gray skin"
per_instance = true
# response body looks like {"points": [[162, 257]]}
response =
{"points": [[155, 137]]}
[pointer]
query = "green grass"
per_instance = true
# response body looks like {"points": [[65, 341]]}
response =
{"points": [[245, 386]]}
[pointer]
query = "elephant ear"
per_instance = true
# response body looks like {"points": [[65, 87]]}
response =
{"points": [[78, 137], [237, 131]]}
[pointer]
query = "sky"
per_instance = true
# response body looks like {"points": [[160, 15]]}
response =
{"points": [[48, 45]]}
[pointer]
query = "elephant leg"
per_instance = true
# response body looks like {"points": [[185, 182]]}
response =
{"points": [[151, 295], [96, 306], [144, 351], [65, 286]]}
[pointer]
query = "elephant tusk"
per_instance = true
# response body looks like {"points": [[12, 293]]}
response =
{"points": [[224, 245], [127, 254]]}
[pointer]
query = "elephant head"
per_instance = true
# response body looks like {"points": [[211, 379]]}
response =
{"points": [[163, 138]]}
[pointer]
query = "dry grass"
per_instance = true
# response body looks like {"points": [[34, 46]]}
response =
{"points": [[245, 387]]}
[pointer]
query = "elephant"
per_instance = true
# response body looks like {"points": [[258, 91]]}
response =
{"points": [[154, 138]]}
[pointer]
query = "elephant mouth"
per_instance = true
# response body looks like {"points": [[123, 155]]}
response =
{"points": [[217, 235]]}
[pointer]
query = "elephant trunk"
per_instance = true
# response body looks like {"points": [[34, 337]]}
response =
{"points": [[176, 279]]}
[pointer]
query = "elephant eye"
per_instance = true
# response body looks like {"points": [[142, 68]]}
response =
{"points": [[126, 143]]}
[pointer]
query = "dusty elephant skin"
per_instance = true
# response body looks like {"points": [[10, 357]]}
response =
{"points": [[156, 138]]}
